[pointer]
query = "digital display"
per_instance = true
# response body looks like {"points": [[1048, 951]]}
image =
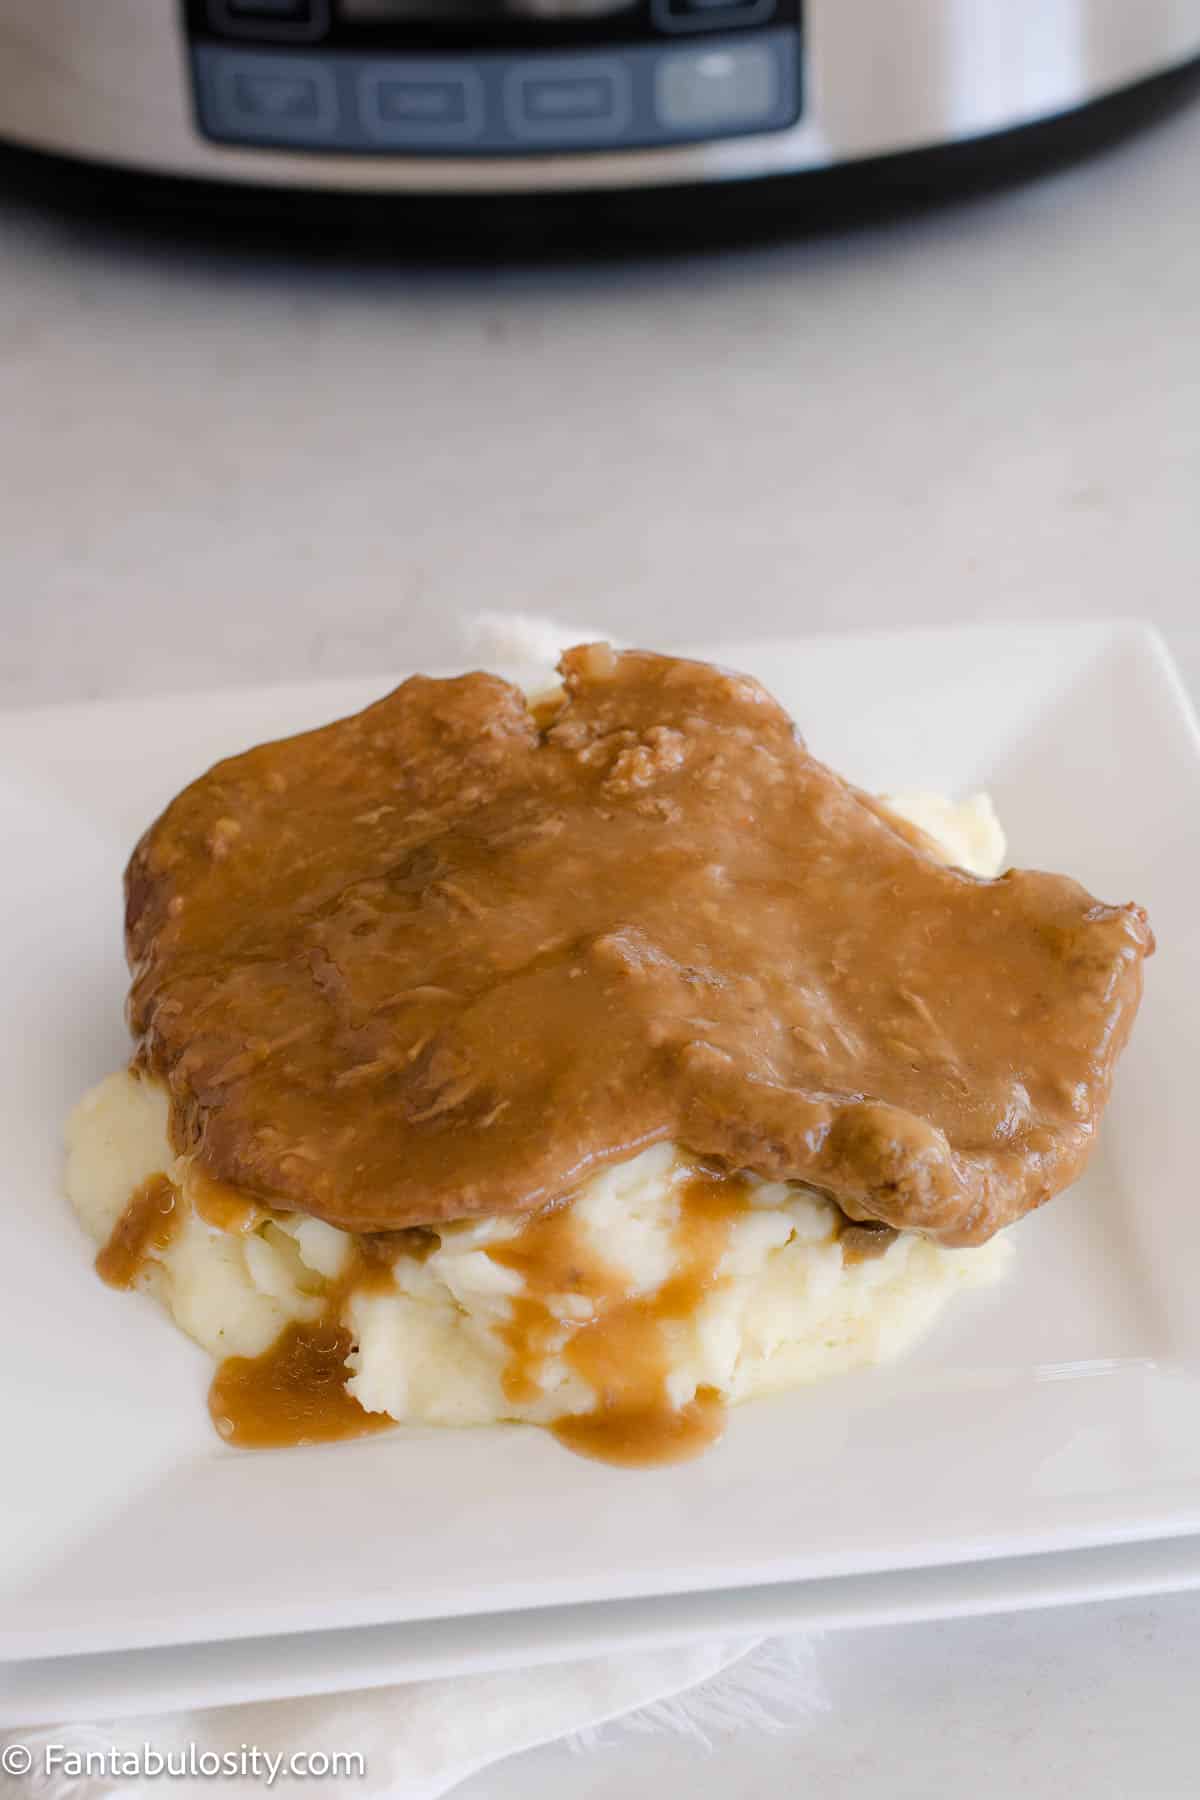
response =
{"points": [[380, 11], [497, 23]]}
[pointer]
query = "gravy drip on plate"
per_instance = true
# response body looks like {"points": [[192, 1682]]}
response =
{"points": [[624, 1351]]}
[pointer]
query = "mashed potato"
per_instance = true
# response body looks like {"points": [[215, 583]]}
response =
{"points": [[786, 1304]]}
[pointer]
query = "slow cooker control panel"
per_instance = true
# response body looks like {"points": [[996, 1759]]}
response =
{"points": [[492, 77]]}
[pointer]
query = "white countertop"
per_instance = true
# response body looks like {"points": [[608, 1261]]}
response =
{"points": [[222, 468], [1090, 1703]]}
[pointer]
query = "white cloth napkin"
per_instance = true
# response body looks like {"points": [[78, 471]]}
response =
{"points": [[421, 1740], [517, 640]]}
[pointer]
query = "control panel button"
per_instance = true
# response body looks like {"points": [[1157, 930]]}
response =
{"points": [[715, 90], [576, 100], [669, 92], [281, 99], [421, 103], [285, 21], [711, 15]]}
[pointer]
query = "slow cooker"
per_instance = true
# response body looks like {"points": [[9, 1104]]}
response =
{"points": [[452, 97]]}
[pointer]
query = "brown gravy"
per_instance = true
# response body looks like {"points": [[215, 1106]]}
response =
{"points": [[863, 1242], [150, 1220], [624, 1352], [436, 960], [295, 1391], [222, 1206]]}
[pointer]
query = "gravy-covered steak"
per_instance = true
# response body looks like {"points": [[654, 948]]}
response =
{"points": [[447, 957]]}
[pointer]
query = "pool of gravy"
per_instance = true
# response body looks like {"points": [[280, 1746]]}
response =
{"points": [[624, 1352]]}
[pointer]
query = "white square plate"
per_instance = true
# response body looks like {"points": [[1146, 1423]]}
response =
{"points": [[234, 1671], [1054, 1412]]}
